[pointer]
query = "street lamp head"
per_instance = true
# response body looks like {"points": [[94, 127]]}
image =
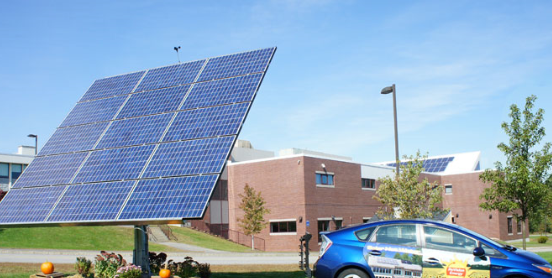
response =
{"points": [[387, 90], [32, 135]]}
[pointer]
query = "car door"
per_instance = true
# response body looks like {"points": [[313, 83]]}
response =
{"points": [[394, 251], [448, 253]]}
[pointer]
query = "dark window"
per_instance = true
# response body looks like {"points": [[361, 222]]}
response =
{"points": [[448, 189], [510, 225], [519, 227], [283, 227], [369, 183], [16, 170], [325, 179], [4, 173], [366, 220], [338, 224], [323, 226]]}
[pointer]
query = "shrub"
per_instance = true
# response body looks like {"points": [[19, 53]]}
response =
{"points": [[204, 270], [542, 239], [129, 271], [157, 261], [107, 264], [82, 266], [185, 269]]}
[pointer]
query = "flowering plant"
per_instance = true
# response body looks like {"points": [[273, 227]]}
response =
{"points": [[129, 271]]}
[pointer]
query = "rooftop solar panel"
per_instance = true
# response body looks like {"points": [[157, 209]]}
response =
{"points": [[431, 165], [139, 147]]}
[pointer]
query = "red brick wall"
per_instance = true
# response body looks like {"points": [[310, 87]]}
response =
{"points": [[464, 202], [289, 187]]}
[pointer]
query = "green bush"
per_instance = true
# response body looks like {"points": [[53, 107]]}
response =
{"points": [[82, 266], [542, 239], [107, 264], [185, 269]]}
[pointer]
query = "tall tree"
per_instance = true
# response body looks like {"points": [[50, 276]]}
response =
{"points": [[407, 195], [253, 206], [518, 187]]}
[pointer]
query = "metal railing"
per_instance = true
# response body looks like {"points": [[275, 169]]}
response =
{"points": [[241, 238], [168, 232], [151, 237]]}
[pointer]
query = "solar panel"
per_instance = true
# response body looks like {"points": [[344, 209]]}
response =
{"points": [[223, 91], [171, 76], [73, 139], [135, 131], [168, 198], [154, 102], [431, 165], [112, 86], [50, 170], [139, 147], [207, 122], [94, 111], [114, 164]]}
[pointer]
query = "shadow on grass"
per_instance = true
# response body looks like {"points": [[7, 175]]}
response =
{"points": [[272, 274]]}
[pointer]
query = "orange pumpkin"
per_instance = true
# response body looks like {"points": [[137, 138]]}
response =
{"points": [[164, 273], [47, 268]]}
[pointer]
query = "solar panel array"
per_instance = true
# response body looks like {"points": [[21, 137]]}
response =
{"points": [[139, 147], [432, 165]]}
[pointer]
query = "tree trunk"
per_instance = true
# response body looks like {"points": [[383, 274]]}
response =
{"points": [[253, 242], [523, 234]]}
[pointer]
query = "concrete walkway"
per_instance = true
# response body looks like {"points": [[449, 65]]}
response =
{"points": [[214, 258]]}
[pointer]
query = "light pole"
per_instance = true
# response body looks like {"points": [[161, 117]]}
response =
{"points": [[36, 141], [385, 91]]}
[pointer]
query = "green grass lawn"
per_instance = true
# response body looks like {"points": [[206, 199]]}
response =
{"points": [[74, 238], [532, 242], [109, 238], [193, 237]]}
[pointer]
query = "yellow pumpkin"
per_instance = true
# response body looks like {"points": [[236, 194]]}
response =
{"points": [[164, 273], [47, 268]]}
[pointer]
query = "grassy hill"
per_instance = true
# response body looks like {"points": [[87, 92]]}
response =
{"points": [[111, 238]]}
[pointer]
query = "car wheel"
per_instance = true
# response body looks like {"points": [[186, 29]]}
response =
{"points": [[352, 273]]}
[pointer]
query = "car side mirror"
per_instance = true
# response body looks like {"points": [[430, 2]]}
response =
{"points": [[478, 252]]}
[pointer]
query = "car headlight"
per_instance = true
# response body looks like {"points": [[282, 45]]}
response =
{"points": [[545, 268]]}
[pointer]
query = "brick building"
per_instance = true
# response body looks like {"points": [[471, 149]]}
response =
{"points": [[311, 192]]}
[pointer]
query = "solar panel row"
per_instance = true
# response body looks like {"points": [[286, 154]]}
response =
{"points": [[146, 145], [432, 165]]}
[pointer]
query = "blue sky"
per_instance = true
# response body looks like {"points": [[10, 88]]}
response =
{"points": [[458, 66]]}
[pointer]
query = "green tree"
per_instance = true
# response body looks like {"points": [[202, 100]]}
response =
{"points": [[253, 206], [407, 195], [518, 187]]}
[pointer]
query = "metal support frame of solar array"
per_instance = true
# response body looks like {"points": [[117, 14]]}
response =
{"points": [[140, 148]]}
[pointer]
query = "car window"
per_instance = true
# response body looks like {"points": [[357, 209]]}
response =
{"points": [[443, 239], [403, 234], [489, 251], [364, 234]]}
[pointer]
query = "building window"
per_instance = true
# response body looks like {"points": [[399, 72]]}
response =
{"points": [[4, 173], [278, 227], [16, 170], [510, 225], [366, 219], [448, 189], [368, 184], [323, 226], [324, 179], [338, 224], [519, 227]]}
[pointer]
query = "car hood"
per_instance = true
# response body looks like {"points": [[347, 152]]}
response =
{"points": [[530, 256]]}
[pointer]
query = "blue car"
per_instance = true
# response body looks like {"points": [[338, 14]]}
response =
{"points": [[421, 248]]}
